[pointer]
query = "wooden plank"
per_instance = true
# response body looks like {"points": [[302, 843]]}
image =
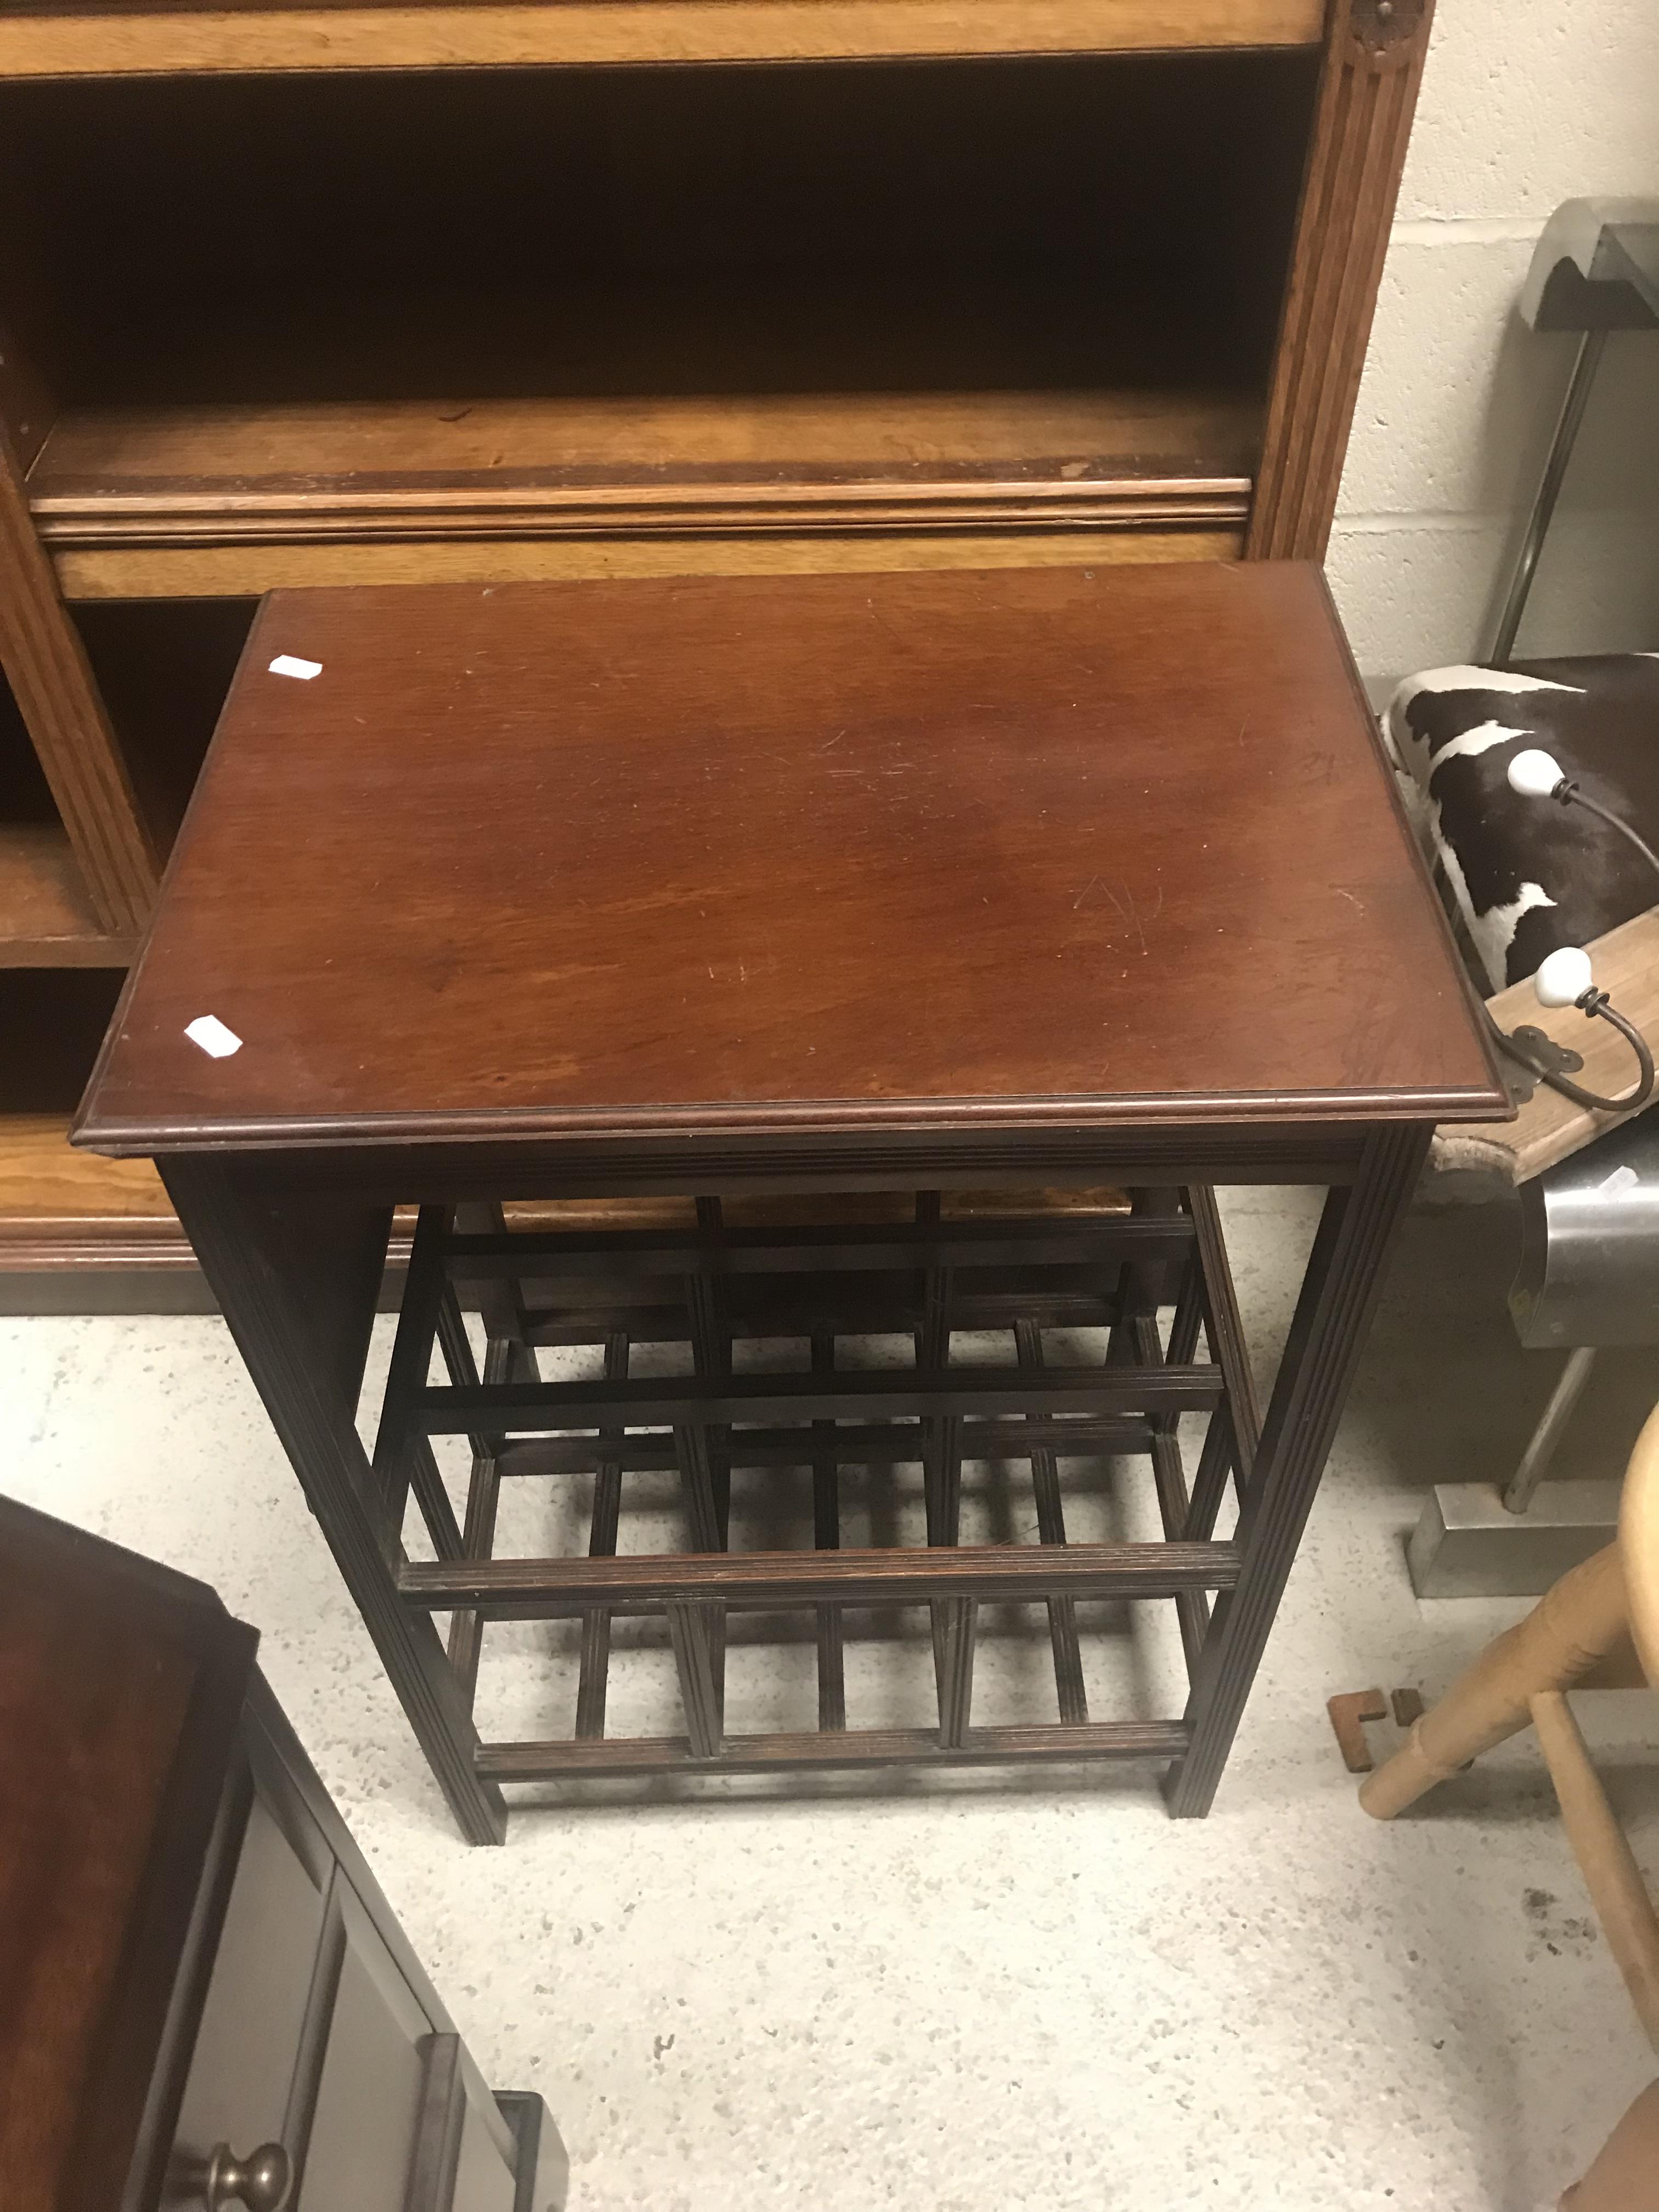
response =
{"points": [[676, 1401], [830, 1749], [1549, 1127], [1069, 1688], [955, 1689], [595, 1671], [246, 572], [116, 42], [1019, 1574], [751, 1210], [366, 469], [826, 1535], [478, 1535], [855, 1444], [691, 1629], [402, 1456], [46, 919], [827, 1247]]}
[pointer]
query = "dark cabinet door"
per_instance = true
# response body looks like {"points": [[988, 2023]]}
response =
{"points": [[368, 2093], [240, 2086]]}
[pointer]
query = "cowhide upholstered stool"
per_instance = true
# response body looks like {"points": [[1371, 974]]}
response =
{"points": [[1528, 878]]}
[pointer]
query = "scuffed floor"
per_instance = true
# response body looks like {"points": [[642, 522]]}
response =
{"points": [[1029, 1993]]}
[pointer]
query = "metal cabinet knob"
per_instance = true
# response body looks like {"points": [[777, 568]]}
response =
{"points": [[259, 2181]]}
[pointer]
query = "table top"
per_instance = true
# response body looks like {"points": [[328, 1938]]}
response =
{"points": [[1082, 847]]}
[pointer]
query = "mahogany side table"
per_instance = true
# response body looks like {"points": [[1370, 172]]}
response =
{"points": [[891, 884]]}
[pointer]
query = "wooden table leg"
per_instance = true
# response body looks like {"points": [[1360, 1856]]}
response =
{"points": [[1332, 1313], [296, 1281]]}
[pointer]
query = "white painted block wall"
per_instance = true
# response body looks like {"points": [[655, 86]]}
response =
{"points": [[1525, 103]]}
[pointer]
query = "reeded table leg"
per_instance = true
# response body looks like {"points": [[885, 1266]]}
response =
{"points": [[1339, 1291], [296, 1280]]}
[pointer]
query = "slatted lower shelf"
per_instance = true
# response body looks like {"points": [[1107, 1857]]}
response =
{"points": [[826, 1749], [765, 1582], [712, 1283]]}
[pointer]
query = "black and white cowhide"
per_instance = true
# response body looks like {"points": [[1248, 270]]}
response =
{"points": [[1530, 875]]}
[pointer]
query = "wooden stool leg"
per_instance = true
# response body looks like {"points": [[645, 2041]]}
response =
{"points": [[1603, 1852], [1577, 1621], [1626, 2175]]}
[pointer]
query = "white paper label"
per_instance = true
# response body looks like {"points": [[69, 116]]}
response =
{"points": [[289, 664], [213, 1037]]}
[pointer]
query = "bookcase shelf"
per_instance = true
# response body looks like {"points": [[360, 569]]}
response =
{"points": [[342, 293], [101, 40]]}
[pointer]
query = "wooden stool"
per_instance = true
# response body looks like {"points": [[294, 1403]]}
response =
{"points": [[1598, 1627], [791, 913]]}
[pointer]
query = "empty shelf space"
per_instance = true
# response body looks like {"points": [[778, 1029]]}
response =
{"points": [[62, 1213], [80, 1234], [657, 318], [46, 918], [110, 40], [44, 1180], [270, 473]]}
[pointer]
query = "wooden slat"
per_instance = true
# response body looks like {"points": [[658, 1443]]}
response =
{"points": [[828, 1748], [117, 42], [691, 1630], [1549, 1127], [593, 1673], [1018, 1574], [1234, 1431], [808, 1306], [675, 1401], [403, 1456], [806, 1209], [956, 1696], [646, 1253], [826, 1535], [1169, 1480], [428, 1483], [246, 572], [855, 1443], [389, 471], [1051, 1529], [478, 1535]]}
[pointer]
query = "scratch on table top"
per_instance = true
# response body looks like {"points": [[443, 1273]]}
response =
{"points": [[1135, 918]]}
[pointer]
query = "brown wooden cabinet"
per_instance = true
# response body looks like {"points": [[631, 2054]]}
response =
{"points": [[384, 294], [197, 1965]]}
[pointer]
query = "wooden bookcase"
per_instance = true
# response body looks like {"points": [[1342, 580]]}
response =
{"points": [[384, 294]]}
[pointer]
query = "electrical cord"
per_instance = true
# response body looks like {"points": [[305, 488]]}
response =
{"points": [[1567, 794], [1536, 774]]}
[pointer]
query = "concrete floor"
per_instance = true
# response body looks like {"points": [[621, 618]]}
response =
{"points": [[1039, 1994]]}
